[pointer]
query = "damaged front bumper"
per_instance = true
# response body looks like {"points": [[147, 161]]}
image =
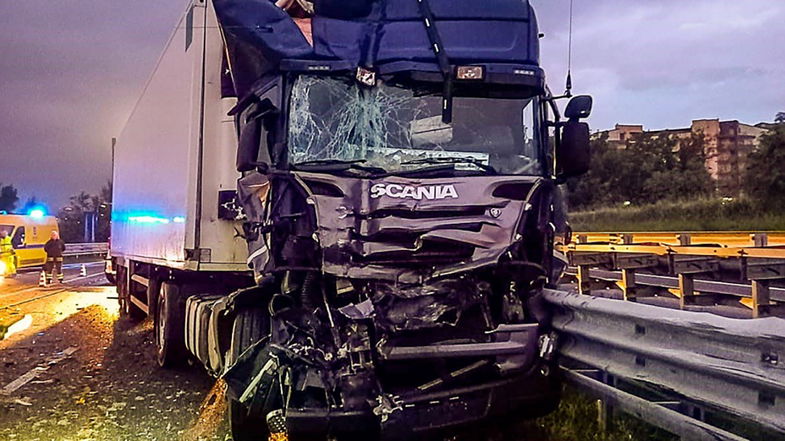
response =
{"points": [[532, 394], [511, 373]]}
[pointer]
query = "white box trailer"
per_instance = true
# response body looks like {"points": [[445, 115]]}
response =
{"points": [[174, 238], [175, 160]]}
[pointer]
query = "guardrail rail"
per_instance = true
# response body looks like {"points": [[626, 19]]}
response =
{"points": [[700, 360], [700, 268], [85, 249]]}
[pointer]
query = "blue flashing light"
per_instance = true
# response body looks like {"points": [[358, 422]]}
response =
{"points": [[36, 213], [145, 219]]}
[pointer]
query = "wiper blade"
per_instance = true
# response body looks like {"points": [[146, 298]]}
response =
{"points": [[329, 162], [453, 160], [336, 165]]}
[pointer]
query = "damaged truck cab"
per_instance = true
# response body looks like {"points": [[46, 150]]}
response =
{"points": [[399, 189], [397, 166]]}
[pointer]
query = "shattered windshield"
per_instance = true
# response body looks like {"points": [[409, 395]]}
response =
{"points": [[399, 129]]}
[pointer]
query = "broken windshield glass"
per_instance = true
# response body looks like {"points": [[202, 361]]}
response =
{"points": [[397, 129]]}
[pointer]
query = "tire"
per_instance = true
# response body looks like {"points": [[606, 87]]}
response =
{"points": [[250, 326], [168, 327]]}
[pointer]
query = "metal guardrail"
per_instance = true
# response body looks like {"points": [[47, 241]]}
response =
{"points": [[672, 238], [669, 282], [735, 366], [692, 258], [85, 249], [770, 245]]}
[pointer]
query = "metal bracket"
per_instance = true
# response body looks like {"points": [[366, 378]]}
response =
{"points": [[765, 271], [586, 258], [693, 265], [634, 261]]}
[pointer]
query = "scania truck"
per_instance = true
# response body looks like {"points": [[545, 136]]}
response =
{"points": [[346, 210]]}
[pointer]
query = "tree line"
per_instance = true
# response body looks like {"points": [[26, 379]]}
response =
{"points": [[70, 218], [765, 179], [656, 167], [649, 169]]}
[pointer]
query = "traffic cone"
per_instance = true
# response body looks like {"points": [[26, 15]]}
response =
{"points": [[42, 280], [83, 271]]}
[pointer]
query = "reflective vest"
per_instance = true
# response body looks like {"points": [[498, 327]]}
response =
{"points": [[6, 247]]}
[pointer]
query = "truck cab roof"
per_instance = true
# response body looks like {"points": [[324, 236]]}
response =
{"points": [[386, 36]]}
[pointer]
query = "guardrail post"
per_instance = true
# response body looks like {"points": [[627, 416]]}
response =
{"points": [[605, 411], [686, 289], [760, 240], [686, 269], [628, 263], [628, 280], [761, 297], [761, 275], [584, 279], [685, 239], [584, 262]]}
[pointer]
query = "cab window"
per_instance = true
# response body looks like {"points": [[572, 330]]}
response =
{"points": [[19, 238], [7, 228]]}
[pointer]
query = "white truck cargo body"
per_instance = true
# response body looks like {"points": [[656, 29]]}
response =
{"points": [[175, 155]]}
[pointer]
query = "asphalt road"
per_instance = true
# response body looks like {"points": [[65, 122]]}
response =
{"points": [[91, 375]]}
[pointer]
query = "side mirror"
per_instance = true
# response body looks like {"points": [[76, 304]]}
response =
{"points": [[573, 153], [578, 107]]}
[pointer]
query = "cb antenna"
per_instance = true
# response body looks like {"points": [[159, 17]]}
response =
{"points": [[568, 92]]}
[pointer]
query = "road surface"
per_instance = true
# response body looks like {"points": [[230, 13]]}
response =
{"points": [[94, 375]]}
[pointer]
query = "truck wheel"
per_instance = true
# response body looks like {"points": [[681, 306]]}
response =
{"points": [[168, 326], [250, 326]]}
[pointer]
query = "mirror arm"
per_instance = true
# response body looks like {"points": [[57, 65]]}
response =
{"points": [[560, 97]]}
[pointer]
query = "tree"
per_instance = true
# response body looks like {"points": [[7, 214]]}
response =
{"points": [[780, 118], [72, 217], [650, 168], [685, 176], [105, 212], [8, 198], [765, 180]]}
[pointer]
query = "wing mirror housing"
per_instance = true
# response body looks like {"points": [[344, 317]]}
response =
{"points": [[573, 153], [579, 107]]}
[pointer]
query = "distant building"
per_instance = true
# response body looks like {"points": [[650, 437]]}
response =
{"points": [[728, 144]]}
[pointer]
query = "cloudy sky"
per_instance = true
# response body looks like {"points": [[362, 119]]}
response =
{"points": [[71, 70]]}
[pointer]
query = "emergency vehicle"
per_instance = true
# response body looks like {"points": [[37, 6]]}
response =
{"points": [[28, 235]]}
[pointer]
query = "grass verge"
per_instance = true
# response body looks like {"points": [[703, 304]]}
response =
{"points": [[576, 419], [695, 215]]}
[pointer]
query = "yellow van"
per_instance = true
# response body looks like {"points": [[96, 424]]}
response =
{"points": [[28, 236]]}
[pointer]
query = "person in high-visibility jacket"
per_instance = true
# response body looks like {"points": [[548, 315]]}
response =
{"points": [[7, 255], [54, 248]]}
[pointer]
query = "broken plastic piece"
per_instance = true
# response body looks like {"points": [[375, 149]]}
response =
{"points": [[358, 311]]}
